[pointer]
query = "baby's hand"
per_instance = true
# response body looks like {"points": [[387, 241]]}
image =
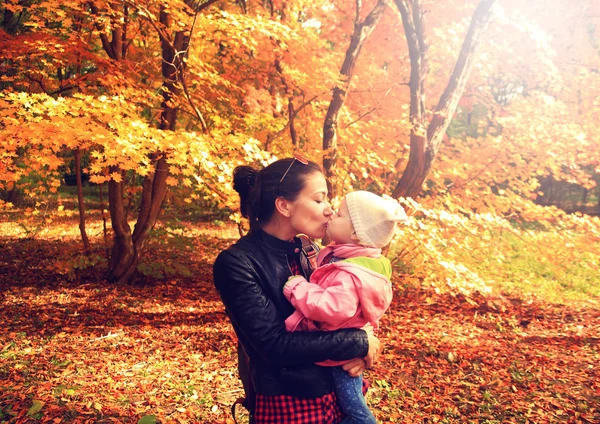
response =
{"points": [[355, 367], [291, 277]]}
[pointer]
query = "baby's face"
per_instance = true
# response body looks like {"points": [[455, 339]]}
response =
{"points": [[340, 227]]}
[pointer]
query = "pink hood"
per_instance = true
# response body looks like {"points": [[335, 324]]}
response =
{"points": [[347, 251]]}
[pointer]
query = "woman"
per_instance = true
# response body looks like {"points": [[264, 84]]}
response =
{"points": [[287, 198]]}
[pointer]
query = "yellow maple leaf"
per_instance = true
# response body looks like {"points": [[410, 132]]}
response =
{"points": [[98, 179]]}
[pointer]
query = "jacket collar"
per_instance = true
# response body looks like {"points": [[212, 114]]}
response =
{"points": [[273, 243]]}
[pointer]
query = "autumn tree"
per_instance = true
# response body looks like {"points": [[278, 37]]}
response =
{"points": [[128, 246], [411, 99], [428, 129], [111, 128], [525, 113]]}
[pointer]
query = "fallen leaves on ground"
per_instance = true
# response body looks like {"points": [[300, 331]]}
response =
{"points": [[87, 351]]}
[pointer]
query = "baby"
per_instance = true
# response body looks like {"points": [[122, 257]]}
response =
{"points": [[351, 287]]}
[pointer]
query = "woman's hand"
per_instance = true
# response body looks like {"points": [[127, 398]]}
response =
{"points": [[374, 347], [356, 366]]}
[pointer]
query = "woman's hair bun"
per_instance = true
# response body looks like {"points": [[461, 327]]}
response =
{"points": [[244, 178]]}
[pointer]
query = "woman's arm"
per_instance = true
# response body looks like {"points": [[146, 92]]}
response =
{"points": [[257, 321]]}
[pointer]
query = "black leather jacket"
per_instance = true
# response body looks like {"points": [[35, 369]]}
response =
{"points": [[249, 277]]}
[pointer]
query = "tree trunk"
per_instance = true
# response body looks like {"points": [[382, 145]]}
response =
{"points": [[362, 30], [584, 196], [425, 141], [115, 48], [104, 229], [291, 110], [545, 188], [128, 247], [84, 237], [123, 254], [551, 191]]}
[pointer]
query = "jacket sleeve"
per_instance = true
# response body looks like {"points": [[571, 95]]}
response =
{"points": [[255, 318], [334, 305]]}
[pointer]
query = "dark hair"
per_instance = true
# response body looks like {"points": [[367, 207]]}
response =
{"points": [[259, 189]]}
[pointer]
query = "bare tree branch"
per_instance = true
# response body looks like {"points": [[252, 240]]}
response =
{"points": [[292, 117], [373, 109], [362, 30]]}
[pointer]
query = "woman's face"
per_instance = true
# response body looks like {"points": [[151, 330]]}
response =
{"points": [[310, 212]]}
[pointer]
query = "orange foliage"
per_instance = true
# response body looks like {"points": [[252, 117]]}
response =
{"points": [[530, 108]]}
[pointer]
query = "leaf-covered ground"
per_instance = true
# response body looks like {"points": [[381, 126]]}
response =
{"points": [[88, 351]]}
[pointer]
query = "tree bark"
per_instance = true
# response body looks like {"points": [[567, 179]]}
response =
{"points": [[584, 196], [129, 247], [104, 228], [84, 237], [122, 255], [425, 140], [291, 110], [115, 48], [362, 30]]}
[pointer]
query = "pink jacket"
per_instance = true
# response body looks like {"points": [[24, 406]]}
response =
{"points": [[347, 294]]}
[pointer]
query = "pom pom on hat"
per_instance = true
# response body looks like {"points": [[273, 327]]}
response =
{"points": [[373, 217]]}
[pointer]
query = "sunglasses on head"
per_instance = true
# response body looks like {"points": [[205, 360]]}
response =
{"points": [[298, 158]]}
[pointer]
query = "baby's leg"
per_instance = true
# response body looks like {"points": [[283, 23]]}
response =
{"points": [[348, 391]]}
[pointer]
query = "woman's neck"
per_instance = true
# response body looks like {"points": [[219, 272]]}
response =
{"points": [[279, 229]]}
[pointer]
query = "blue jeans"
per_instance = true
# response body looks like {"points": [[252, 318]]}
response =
{"points": [[348, 391]]}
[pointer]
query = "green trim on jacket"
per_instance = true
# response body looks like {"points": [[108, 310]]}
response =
{"points": [[380, 265]]}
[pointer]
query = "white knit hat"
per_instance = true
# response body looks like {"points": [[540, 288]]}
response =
{"points": [[373, 217]]}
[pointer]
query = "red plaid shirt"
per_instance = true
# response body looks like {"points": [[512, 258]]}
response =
{"points": [[284, 409], [292, 410], [294, 266]]}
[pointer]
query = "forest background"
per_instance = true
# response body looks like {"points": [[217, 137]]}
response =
{"points": [[121, 123]]}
